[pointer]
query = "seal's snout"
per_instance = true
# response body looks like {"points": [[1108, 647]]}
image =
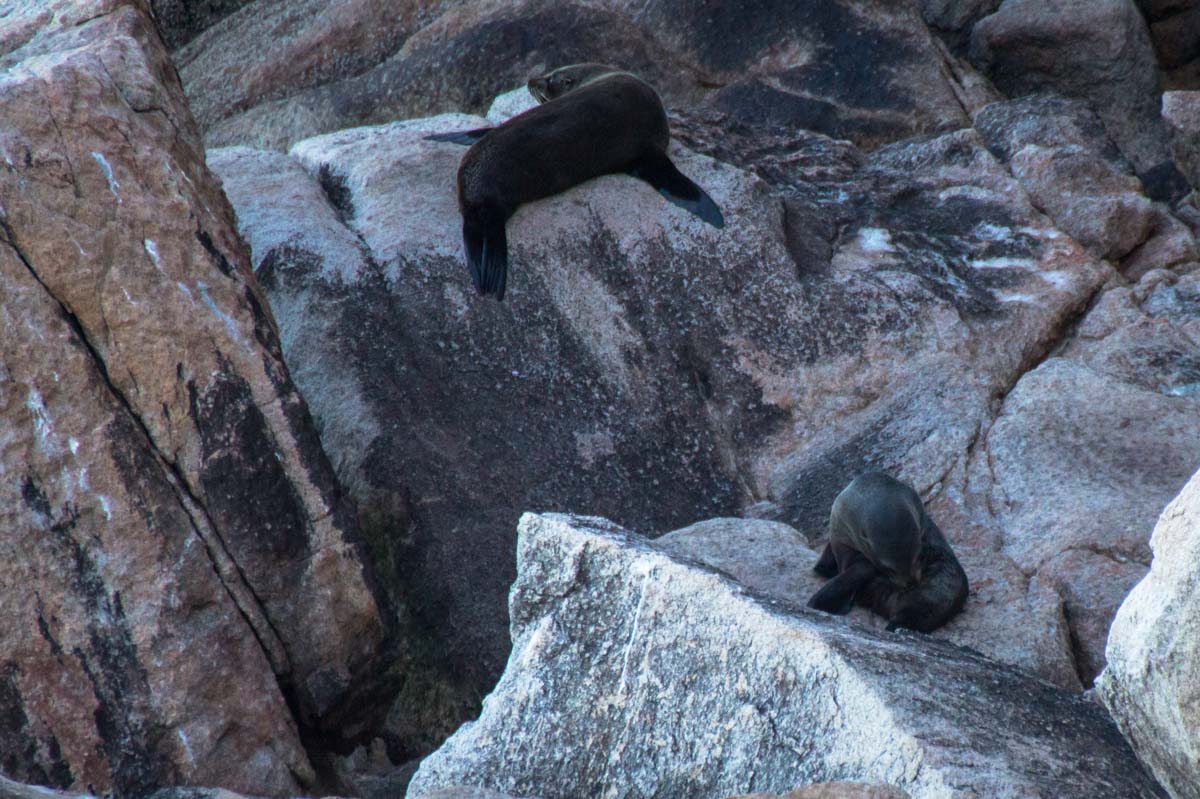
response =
{"points": [[537, 87]]}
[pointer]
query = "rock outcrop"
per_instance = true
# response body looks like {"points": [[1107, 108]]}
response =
{"points": [[1152, 681], [663, 372], [1098, 51], [680, 682], [184, 590], [819, 65]]}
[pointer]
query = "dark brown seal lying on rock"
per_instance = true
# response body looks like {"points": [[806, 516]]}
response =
{"points": [[886, 554], [594, 120]]}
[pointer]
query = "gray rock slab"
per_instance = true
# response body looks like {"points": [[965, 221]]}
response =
{"points": [[634, 674]]}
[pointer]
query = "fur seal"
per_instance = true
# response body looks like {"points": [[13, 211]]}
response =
{"points": [[885, 553], [593, 120]]}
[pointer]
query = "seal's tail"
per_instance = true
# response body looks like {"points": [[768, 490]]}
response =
{"points": [[487, 250], [656, 168]]}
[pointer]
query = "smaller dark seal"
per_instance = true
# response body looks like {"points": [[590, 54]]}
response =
{"points": [[594, 120], [886, 554]]}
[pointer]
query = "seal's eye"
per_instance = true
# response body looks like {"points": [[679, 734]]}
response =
{"points": [[568, 81]]}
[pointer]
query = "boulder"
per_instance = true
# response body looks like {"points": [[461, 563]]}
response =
{"points": [[1152, 682], [182, 563], [1098, 51], [1181, 110], [682, 682], [1060, 153]]}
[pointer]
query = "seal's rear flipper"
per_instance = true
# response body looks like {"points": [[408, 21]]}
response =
{"points": [[460, 136], [656, 168], [487, 251]]}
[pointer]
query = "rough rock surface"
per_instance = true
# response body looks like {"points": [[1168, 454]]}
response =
{"points": [[1059, 151], [1152, 682], [637, 653], [179, 21], [1098, 51], [184, 560], [857, 312], [1181, 110], [835, 790], [866, 71]]}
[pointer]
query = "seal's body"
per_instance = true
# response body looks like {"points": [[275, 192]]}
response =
{"points": [[885, 553], [594, 120]]}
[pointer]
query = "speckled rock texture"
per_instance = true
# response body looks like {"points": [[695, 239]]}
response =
{"points": [[857, 69], [682, 683], [909, 310], [1098, 51], [1152, 681], [180, 564]]}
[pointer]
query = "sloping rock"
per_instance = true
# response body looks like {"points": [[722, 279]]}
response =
{"points": [[835, 790], [1073, 173], [460, 61], [627, 322], [816, 65], [1098, 51], [182, 553], [1072, 487], [227, 70], [851, 69], [1152, 682], [637, 654], [179, 21], [1181, 110]]}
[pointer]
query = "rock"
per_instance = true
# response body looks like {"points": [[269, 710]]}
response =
{"points": [[956, 17], [179, 21], [770, 557], [636, 653], [183, 554], [465, 792], [834, 790], [1098, 51], [1181, 110], [227, 70], [856, 312], [458, 61], [1153, 674], [1170, 245], [1096, 475], [816, 65], [1177, 38], [1059, 152]]}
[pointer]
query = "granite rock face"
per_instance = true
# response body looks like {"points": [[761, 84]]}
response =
{"points": [[1098, 51], [867, 71], [637, 653], [858, 311], [1152, 682], [181, 564]]}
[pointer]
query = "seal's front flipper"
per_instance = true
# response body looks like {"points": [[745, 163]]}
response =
{"points": [[460, 136], [838, 595], [656, 168], [487, 250]]}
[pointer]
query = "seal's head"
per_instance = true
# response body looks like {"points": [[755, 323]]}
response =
{"points": [[887, 522], [895, 541], [560, 81]]}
